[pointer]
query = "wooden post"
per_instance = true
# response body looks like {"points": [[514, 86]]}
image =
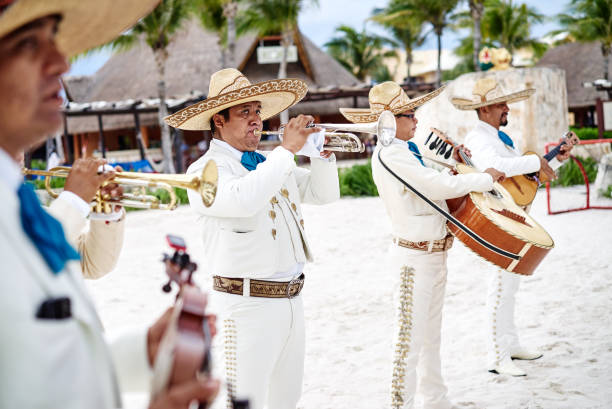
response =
{"points": [[138, 130], [76, 147], [101, 129], [600, 117]]}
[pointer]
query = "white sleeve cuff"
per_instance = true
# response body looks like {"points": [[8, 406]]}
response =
{"points": [[75, 201]]}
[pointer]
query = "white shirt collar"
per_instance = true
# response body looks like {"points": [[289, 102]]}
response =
{"points": [[487, 127], [397, 141], [10, 171], [223, 144]]}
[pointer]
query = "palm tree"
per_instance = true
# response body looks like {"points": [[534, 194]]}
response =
{"points": [[157, 29], [359, 52], [210, 15], [268, 17], [406, 30], [434, 12], [476, 11], [591, 20], [509, 25]]}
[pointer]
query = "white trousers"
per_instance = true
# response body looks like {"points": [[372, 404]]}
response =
{"points": [[419, 296], [502, 338], [263, 348]]}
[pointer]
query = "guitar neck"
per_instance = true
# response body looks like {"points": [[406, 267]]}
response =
{"points": [[550, 155]]}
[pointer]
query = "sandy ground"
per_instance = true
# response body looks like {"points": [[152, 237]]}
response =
{"points": [[563, 309]]}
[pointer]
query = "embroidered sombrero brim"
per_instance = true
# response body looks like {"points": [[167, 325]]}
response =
{"points": [[85, 23], [467, 104], [365, 115], [275, 96]]}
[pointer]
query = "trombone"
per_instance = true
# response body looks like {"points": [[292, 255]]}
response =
{"points": [[385, 128], [205, 184]]}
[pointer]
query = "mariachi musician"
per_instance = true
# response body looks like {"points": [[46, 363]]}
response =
{"points": [[52, 346], [490, 147], [420, 244], [254, 238]]}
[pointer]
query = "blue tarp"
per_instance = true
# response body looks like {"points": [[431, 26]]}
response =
{"points": [[136, 166]]}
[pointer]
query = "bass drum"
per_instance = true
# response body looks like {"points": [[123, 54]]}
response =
{"points": [[496, 218]]}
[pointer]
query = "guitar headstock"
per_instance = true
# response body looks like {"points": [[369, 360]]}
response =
{"points": [[571, 138], [443, 136], [179, 266]]}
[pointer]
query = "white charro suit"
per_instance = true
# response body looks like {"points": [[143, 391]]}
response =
{"points": [[488, 150], [255, 230], [54, 363], [421, 274]]}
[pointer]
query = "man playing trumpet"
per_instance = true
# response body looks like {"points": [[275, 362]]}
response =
{"points": [[254, 239], [420, 243]]}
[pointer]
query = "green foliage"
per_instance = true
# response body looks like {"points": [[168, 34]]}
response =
{"points": [[608, 192], [56, 183], [590, 133], [357, 181], [589, 20], [164, 197], [569, 173], [267, 17], [359, 52]]}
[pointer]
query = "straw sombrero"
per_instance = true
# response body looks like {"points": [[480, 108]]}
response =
{"points": [[229, 87], [387, 96], [85, 23], [488, 92]]}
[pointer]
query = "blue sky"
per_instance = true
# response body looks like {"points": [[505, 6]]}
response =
{"points": [[319, 23]]}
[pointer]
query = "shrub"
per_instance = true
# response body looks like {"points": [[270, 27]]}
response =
{"points": [[608, 192], [569, 173], [589, 133], [357, 181]]}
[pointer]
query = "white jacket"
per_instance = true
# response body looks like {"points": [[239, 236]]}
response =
{"points": [[99, 246], [54, 363], [488, 151], [411, 218], [238, 228]]}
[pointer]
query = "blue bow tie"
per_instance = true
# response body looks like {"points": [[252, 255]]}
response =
{"points": [[45, 232], [415, 151], [505, 138], [250, 160]]}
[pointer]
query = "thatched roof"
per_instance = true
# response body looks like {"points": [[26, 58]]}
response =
{"points": [[582, 62], [194, 56]]}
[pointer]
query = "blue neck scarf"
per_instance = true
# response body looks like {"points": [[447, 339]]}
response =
{"points": [[45, 232], [415, 151], [505, 139], [250, 160]]}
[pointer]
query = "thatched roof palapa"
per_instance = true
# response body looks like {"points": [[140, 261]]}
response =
{"points": [[582, 62], [194, 55]]}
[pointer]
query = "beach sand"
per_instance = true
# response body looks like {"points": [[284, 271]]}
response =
{"points": [[563, 309]]}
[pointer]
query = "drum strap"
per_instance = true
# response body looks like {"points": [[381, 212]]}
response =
{"points": [[450, 217]]}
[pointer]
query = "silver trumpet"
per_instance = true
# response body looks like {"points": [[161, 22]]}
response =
{"points": [[385, 128]]}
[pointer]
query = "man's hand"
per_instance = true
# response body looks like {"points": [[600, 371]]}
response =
{"points": [[546, 169], [496, 174], [565, 153], [326, 154], [112, 191], [180, 396], [84, 180], [465, 150], [296, 133]]}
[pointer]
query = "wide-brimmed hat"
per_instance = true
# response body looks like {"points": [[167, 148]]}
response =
{"points": [[229, 87], [387, 96], [487, 91], [85, 23]]}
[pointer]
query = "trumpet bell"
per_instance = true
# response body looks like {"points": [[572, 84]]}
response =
{"points": [[386, 128]]}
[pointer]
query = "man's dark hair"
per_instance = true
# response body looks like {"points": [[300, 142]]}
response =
{"points": [[478, 112], [226, 115]]}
